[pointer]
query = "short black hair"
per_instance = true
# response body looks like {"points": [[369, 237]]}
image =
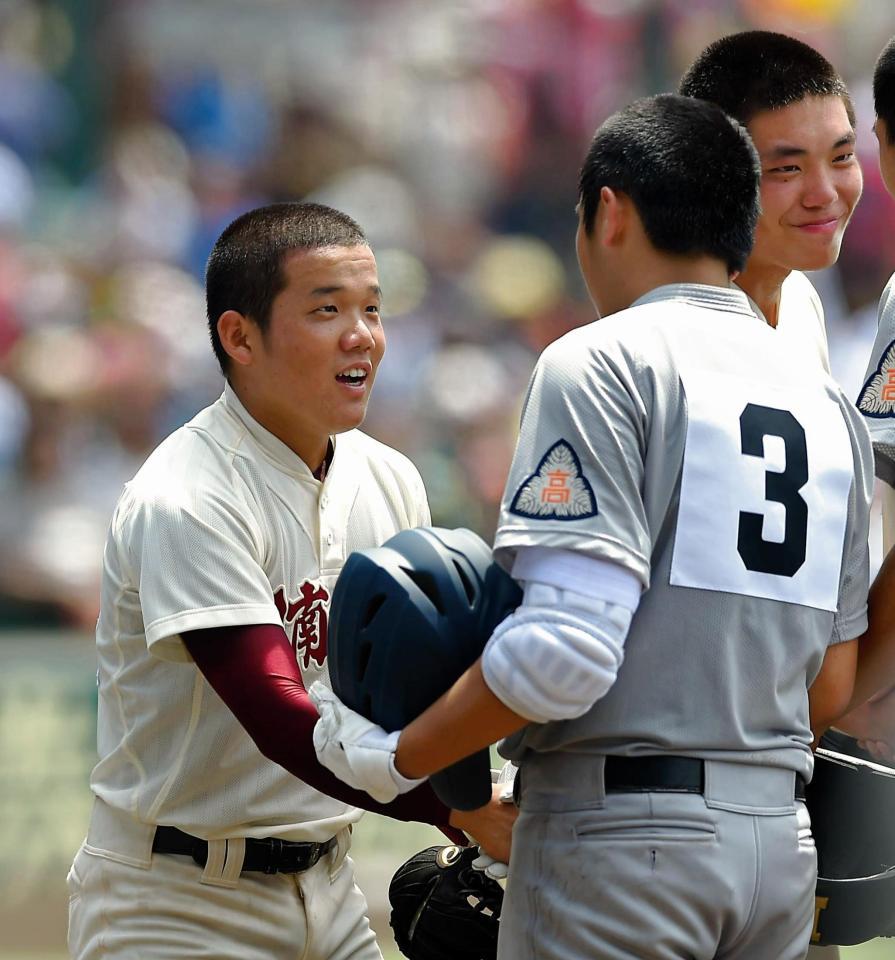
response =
{"points": [[745, 73], [884, 89], [691, 171], [245, 267]]}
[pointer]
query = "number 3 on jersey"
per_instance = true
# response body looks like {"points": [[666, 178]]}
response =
{"points": [[764, 491]]}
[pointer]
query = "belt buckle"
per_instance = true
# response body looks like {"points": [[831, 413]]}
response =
{"points": [[289, 856], [302, 856], [274, 852], [275, 855]]}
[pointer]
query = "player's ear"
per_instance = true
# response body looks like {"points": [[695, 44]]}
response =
{"points": [[238, 336], [611, 217]]}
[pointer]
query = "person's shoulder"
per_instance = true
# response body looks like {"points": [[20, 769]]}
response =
{"points": [[887, 300], [375, 454], [627, 333], [194, 457], [578, 344]]}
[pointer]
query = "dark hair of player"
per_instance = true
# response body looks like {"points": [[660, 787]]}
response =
{"points": [[745, 73], [245, 267], [691, 171], [884, 89]]}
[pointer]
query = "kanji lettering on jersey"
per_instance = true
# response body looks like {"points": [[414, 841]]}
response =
{"points": [[557, 490], [877, 398], [308, 620]]}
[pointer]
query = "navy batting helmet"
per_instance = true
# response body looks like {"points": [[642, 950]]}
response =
{"points": [[851, 799], [407, 619]]}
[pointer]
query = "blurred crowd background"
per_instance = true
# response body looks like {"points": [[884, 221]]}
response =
{"points": [[133, 131]]}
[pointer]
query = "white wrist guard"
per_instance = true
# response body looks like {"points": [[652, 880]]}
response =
{"points": [[356, 750]]}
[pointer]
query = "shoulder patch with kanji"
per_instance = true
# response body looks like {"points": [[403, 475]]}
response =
{"points": [[557, 490], [877, 398]]}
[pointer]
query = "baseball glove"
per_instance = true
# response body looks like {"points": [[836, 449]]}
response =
{"points": [[444, 909]]}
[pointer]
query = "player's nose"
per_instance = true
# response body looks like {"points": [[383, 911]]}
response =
{"points": [[820, 190], [358, 335]]}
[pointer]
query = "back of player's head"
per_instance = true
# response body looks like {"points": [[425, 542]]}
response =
{"points": [[245, 267], [884, 88], [691, 171], [745, 73]]}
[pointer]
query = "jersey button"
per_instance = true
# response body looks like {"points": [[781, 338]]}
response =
{"points": [[329, 539], [324, 501]]}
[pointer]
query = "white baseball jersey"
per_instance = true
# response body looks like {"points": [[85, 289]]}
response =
{"points": [[686, 440], [877, 398], [224, 525], [800, 317]]}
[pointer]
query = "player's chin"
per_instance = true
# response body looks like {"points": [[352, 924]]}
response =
{"points": [[350, 417], [817, 256]]}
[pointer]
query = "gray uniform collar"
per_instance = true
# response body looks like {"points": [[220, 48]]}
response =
{"points": [[731, 299]]}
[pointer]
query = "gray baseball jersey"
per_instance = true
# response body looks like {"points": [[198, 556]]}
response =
{"points": [[686, 440], [225, 525], [877, 398]]}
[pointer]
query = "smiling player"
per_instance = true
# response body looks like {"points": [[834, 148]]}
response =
{"points": [[799, 114]]}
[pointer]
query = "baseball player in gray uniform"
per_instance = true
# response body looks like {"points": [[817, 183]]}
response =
{"points": [[687, 510], [799, 114], [797, 109], [214, 831]]}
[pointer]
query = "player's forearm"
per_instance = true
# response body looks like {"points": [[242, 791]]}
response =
{"points": [[829, 695], [876, 650], [253, 670], [462, 721]]}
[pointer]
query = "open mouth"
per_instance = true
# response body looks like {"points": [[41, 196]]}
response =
{"points": [[353, 376]]}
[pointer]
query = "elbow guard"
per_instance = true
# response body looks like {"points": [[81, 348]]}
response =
{"points": [[557, 654]]}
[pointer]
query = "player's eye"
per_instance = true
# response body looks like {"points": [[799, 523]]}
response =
{"points": [[373, 308], [843, 158], [786, 168], [327, 308]]}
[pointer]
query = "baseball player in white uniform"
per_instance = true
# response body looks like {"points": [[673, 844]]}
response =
{"points": [[215, 832], [687, 510]]}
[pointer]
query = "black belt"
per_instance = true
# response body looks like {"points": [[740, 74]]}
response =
{"points": [[267, 855], [661, 774]]}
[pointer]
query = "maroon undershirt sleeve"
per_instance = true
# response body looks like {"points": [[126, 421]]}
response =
{"points": [[253, 670]]}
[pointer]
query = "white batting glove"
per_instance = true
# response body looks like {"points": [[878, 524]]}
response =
{"points": [[497, 869], [355, 749]]}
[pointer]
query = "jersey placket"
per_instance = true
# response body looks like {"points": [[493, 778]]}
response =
{"points": [[330, 543]]}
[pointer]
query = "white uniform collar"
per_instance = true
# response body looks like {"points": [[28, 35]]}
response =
{"points": [[285, 458]]}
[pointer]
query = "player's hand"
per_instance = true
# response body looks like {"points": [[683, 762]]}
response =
{"points": [[355, 749], [881, 751], [491, 826], [504, 778], [873, 726]]}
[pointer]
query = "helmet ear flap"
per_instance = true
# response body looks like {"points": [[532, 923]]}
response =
{"points": [[407, 619]]}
